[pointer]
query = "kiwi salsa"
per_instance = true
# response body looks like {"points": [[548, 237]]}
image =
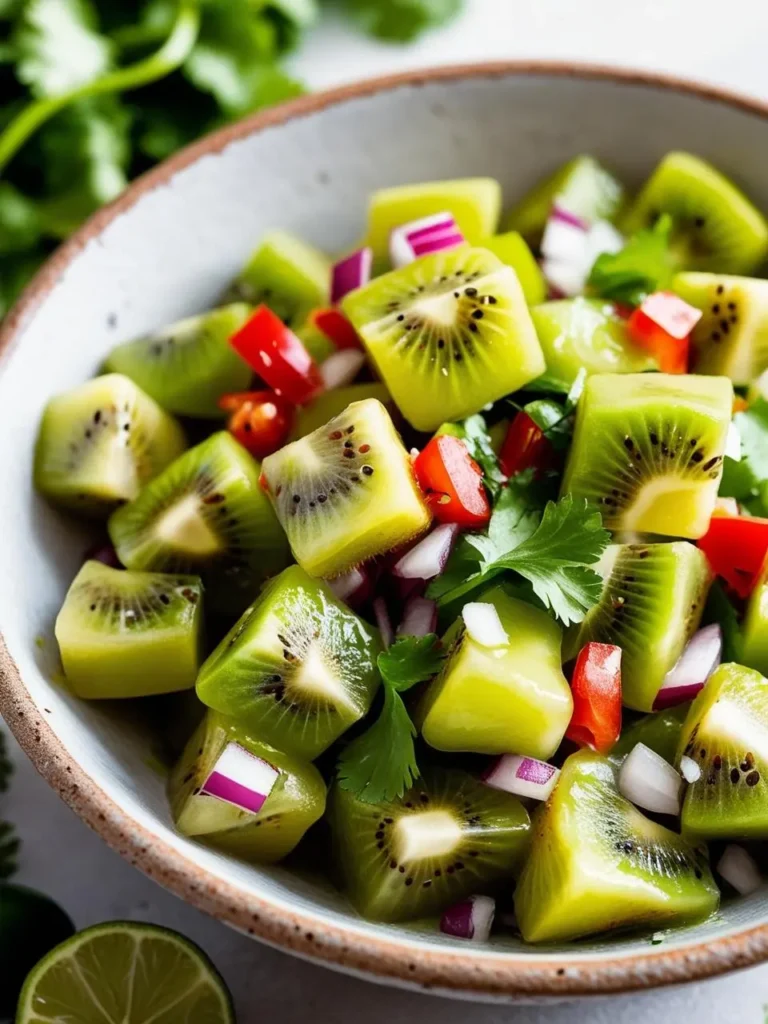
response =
{"points": [[469, 561]]}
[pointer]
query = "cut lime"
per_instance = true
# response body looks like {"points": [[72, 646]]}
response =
{"points": [[125, 973]]}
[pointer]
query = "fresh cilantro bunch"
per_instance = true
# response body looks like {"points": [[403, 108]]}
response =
{"points": [[93, 92], [645, 265]]}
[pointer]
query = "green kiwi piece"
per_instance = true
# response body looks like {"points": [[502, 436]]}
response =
{"points": [[299, 667], [346, 492], [583, 187], [715, 226], [648, 450], [130, 634], [589, 334], [732, 336], [448, 333], [754, 630], [502, 699], [100, 443], [187, 366], [447, 838], [205, 514], [318, 344], [474, 203], [286, 274], [651, 605], [513, 250], [598, 865], [660, 732], [296, 800], [726, 734], [332, 403]]}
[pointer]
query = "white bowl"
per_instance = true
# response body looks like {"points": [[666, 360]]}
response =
{"points": [[165, 249]]}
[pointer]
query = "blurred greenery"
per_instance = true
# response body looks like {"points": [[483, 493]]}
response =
{"points": [[96, 91]]}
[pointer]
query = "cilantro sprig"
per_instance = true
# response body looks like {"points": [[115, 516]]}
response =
{"points": [[644, 265], [381, 764], [747, 479]]}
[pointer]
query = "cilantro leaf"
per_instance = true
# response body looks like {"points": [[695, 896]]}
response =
{"points": [[644, 265], [381, 764], [402, 20], [474, 432], [719, 609], [744, 479], [515, 516]]}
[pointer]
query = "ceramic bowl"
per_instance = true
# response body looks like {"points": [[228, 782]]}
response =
{"points": [[164, 250]]}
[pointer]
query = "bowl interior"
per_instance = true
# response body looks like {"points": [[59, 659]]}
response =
{"points": [[169, 252]]}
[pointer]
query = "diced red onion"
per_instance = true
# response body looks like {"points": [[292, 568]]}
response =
{"points": [[733, 442], [429, 557], [241, 779], [483, 624], [603, 237], [341, 368], [564, 242], [559, 212], [649, 781], [570, 248], [693, 668], [739, 869], [350, 273], [423, 237], [690, 771], [471, 919], [352, 587], [523, 776], [419, 617], [383, 621], [105, 554]]}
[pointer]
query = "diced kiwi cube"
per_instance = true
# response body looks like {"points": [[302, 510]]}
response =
{"points": [[754, 633], [513, 250], [130, 634], [216, 795], [332, 403], [512, 699]]}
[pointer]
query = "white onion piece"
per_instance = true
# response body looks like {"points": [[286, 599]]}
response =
{"points": [[562, 213], [351, 273], [689, 769], [471, 919], [419, 617], [241, 779], [564, 242], [484, 625], [738, 868], [429, 557], [733, 442], [422, 237], [693, 668], [350, 586], [341, 368], [383, 621], [648, 781], [603, 237], [565, 279], [523, 776]]}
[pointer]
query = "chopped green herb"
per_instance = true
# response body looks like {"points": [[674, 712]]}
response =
{"points": [[644, 265]]}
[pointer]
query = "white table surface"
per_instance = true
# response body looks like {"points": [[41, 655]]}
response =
{"points": [[704, 39]]}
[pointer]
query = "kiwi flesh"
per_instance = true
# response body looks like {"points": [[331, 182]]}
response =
{"points": [[205, 514], [732, 336], [598, 865], [651, 605], [513, 250], [754, 630], [296, 801], [648, 450], [447, 333], [726, 734], [346, 492], [715, 226], [447, 838], [582, 186], [187, 366], [100, 443], [513, 699], [286, 274], [299, 667], [585, 333], [332, 403], [474, 203], [318, 344], [660, 732], [130, 634]]}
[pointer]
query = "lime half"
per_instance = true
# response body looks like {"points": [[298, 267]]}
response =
{"points": [[125, 973]]}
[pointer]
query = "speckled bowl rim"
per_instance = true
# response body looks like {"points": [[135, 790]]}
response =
{"points": [[487, 975]]}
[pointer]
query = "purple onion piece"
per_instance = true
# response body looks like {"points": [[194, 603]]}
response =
{"points": [[470, 919], [341, 368], [104, 553], [422, 237], [352, 587], [383, 621], [429, 557], [419, 617], [559, 212], [522, 776], [240, 778], [351, 273], [693, 668]]}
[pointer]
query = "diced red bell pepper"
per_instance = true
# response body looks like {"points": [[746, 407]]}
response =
{"points": [[260, 420], [335, 326], [452, 482], [278, 356], [662, 325], [525, 447], [596, 688], [737, 547]]}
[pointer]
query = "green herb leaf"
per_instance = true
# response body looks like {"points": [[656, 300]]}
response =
{"points": [[19, 220], [402, 20], [515, 517], [745, 479], [474, 433], [644, 265], [719, 609], [381, 764]]}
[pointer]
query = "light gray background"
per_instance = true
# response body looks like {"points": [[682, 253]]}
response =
{"points": [[715, 41]]}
